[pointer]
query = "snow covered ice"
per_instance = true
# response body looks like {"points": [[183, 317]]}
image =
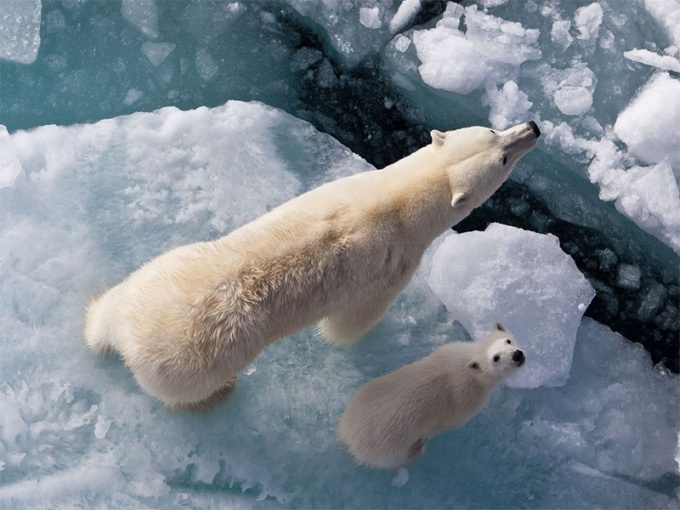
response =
{"points": [[128, 128]]}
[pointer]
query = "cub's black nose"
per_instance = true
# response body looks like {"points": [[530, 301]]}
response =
{"points": [[534, 128], [518, 356]]}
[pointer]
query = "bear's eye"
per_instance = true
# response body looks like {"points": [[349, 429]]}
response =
{"points": [[505, 160], [508, 341], [496, 357], [492, 131]]}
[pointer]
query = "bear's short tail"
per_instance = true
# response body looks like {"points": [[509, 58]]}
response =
{"points": [[96, 326]]}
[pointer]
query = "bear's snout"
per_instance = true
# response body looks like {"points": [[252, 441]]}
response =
{"points": [[534, 128], [518, 357]]}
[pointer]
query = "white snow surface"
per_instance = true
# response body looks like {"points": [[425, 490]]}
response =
{"points": [[20, 30], [523, 280], [91, 203]]}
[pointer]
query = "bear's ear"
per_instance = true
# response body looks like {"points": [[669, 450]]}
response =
{"points": [[438, 138], [473, 365], [499, 327], [458, 198]]}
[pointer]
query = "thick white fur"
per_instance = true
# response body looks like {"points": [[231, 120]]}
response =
{"points": [[188, 321], [388, 421]]}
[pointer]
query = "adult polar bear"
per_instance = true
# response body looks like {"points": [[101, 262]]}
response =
{"points": [[188, 321]]}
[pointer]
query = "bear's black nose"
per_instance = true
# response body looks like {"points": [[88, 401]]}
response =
{"points": [[518, 356], [534, 128]]}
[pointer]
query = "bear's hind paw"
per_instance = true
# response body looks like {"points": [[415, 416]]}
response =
{"points": [[208, 404]]}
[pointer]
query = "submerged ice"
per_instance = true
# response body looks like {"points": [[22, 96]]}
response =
{"points": [[594, 424], [20, 30]]}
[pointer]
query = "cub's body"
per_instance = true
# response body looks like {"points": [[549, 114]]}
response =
{"points": [[388, 420]]}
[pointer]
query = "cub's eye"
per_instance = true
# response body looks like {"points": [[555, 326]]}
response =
{"points": [[505, 160], [492, 131], [496, 357], [508, 341]]}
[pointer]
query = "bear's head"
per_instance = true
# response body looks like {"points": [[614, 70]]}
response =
{"points": [[498, 356], [479, 159]]}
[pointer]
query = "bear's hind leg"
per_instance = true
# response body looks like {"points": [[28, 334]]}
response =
{"points": [[97, 325], [208, 404], [347, 326]]}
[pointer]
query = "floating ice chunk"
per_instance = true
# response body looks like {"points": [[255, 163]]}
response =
{"points": [[132, 96], [20, 30], [404, 339], [667, 14], [370, 17], [560, 33], [647, 195], [304, 58], [491, 50], [650, 197], [401, 478], [509, 105], [523, 280], [205, 65], [143, 14], [10, 167], [649, 125], [500, 40], [492, 3], [663, 62], [628, 276], [440, 69], [157, 52], [402, 43], [573, 100], [572, 88], [406, 13], [250, 370], [326, 77], [652, 301], [588, 20]]}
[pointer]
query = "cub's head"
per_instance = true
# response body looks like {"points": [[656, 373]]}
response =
{"points": [[498, 356], [479, 159]]}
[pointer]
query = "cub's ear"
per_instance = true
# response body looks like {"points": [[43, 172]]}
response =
{"points": [[458, 198], [499, 327], [438, 138], [473, 365]]}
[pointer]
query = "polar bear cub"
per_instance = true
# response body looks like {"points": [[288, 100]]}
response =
{"points": [[389, 419], [190, 320]]}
